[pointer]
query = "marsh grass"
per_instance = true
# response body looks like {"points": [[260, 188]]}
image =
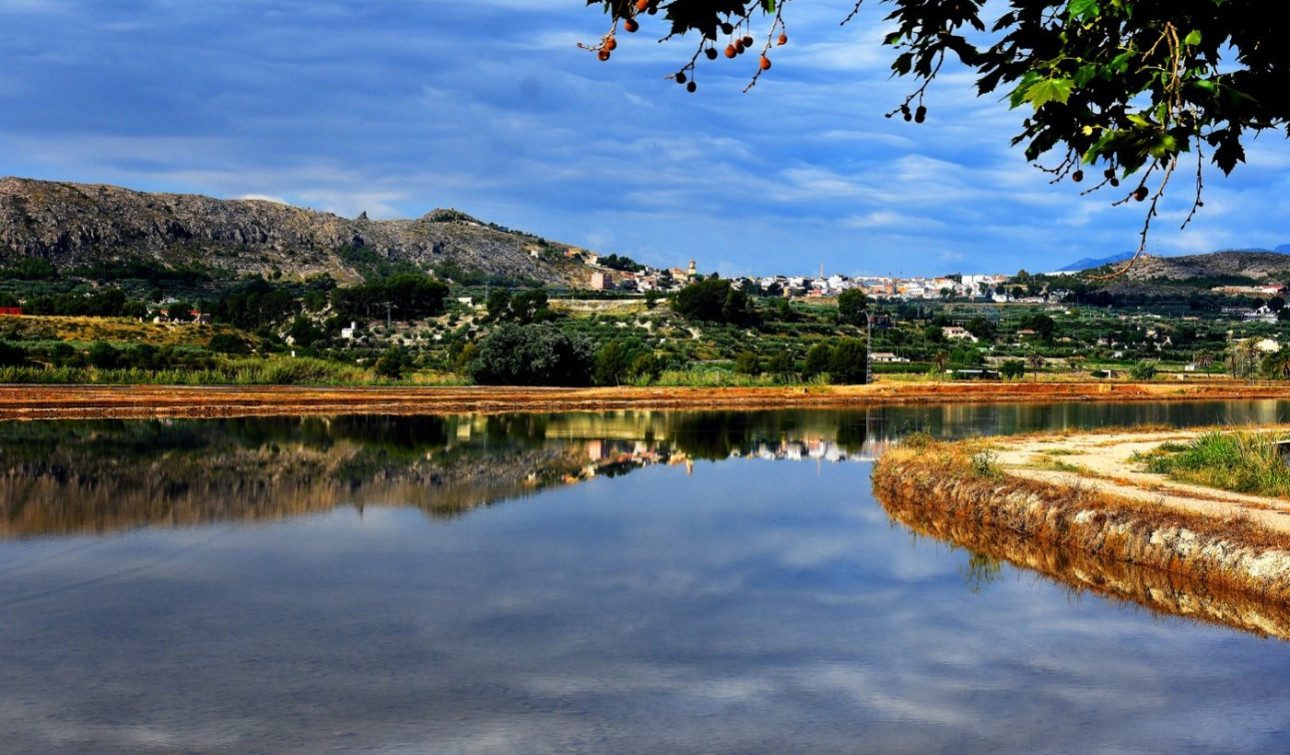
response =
{"points": [[296, 371], [1244, 462]]}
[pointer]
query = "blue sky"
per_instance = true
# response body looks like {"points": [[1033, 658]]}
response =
{"points": [[400, 106]]}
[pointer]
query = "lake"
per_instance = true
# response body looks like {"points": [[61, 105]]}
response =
{"points": [[691, 582]]}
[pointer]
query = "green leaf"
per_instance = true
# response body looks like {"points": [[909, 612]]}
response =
{"points": [[1120, 63], [1018, 95], [1165, 146], [1083, 9], [1048, 90], [1193, 38]]}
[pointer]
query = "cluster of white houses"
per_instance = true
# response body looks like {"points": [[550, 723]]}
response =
{"points": [[876, 287]]}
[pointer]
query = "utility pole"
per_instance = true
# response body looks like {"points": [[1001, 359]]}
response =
{"points": [[868, 347]]}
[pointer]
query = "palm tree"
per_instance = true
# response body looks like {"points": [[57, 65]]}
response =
{"points": [[939, 360], [1277, 364], [1243, 358], [1204, 360], [1035, 361]]}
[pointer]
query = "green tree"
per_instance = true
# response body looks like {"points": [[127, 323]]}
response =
{"points": [[103, 355], [1277, 365], [849, 363], [713, 300], [1035, 361], [12, 354], [228, 343], [498, 304], [612, 362], [392, 363], [781, 363], [747, 363], [646, 366], [532, 355], [1143, 370], [1012, 369], [853, 307], [1204, 360], [818, 359]]}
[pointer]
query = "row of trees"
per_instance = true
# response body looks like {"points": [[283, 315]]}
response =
{"points": [[541, 354]]}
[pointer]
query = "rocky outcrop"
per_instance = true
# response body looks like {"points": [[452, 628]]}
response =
{"points": [[71, 225], [1258, 266]]}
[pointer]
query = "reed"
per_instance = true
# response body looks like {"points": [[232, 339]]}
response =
{"points": [[1240, 461]]}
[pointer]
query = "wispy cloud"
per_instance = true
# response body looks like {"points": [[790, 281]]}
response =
{"points": [[395, 107]]}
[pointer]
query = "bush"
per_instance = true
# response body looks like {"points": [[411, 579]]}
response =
{"points": [[392, 363], [227, 343], [1143, 370], [781, 363], [103, 355], [11, 355], [532, 355], [1013, 368], [818, 360], [747, 363], [849, 362], [852, 307], [713, 300]]}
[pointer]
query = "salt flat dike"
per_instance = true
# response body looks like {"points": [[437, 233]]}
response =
{"points": [[1077, 509], [141, 401]]}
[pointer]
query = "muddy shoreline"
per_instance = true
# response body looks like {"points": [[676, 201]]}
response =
{"points": [[28, 402]]}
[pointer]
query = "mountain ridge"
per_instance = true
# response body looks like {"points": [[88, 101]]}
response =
{"points": [[73, 224]]}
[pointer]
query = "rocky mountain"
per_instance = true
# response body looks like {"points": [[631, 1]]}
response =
{"points": [[72, 225], [1261, 267]]}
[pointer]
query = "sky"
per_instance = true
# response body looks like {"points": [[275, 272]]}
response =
{"points": [[396, 107]]}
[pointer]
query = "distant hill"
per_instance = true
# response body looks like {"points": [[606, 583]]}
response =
{"points": [[1258, 267], [1224, 261], [1089, 263], [74, 225]]}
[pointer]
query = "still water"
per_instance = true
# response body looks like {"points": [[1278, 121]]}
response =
{"points": [[618, 582]]}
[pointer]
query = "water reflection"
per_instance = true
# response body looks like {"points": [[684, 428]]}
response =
{"points": [[72, 477], [1158, 591], [75, 477], [751, 606]]}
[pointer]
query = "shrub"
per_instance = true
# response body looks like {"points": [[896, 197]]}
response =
{"points": [[392, 363], [818, 359], [532, 355], [849, 362], [228, 343], [103, 355], [713, 300], [1143, 370]]}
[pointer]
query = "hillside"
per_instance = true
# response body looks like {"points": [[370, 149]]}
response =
{"points": [[1261, 267], [74, 225]]}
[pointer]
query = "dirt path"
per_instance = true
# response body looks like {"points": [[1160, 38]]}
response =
{"points": [[1104, 461]]}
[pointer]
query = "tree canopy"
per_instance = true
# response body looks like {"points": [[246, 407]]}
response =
{"points": [[1126, 86]]}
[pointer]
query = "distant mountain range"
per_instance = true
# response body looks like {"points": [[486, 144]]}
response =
{"points": [[1088, 263], [75, 225]]}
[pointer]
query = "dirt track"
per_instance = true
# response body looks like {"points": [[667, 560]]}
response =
{"points": [[1103, 461], [57, 401]]}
